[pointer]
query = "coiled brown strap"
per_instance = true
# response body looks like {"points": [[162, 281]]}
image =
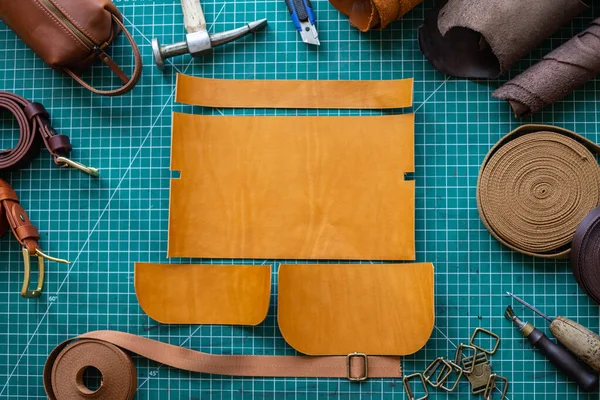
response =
{"points": [[105, 350], [535, 186], [585, 255], [34, 127]]}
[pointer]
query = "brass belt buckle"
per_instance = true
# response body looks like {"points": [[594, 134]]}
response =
{"points": [[409, 392], [37, 292], [349, 358]]}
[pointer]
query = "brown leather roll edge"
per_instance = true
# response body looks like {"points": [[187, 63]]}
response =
{"points": [[585, 255], [106, 351], [535, 187]]}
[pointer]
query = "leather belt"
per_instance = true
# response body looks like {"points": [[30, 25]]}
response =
{"points": [[585, 255], [535, 186], [34, 127], [14, 217], [105, 350]]}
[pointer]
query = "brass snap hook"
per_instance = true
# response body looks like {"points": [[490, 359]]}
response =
{"points": [[74, 164], [25, 291]]}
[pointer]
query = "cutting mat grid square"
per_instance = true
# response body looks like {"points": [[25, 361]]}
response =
{"points": [[105, 225]]}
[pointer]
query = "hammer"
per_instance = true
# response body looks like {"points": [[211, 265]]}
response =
{"points": [[198, 41]]}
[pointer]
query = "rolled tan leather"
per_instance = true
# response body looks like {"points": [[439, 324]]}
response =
{"points": [[204, 294], [331, 309], [232, 93], [368, 14], [292, 187]]}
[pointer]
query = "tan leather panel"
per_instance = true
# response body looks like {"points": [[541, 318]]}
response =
{"points": [[292, 187], [329, 309], [204, 294], [231, 93]]}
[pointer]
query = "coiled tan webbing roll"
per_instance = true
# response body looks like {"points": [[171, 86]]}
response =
{"points": [[535, 186], [105, 350]]}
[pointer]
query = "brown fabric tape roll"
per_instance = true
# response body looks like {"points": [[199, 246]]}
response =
{"points": [[585, 256], [368, 14], [482, 39], [556, 75], [535, 186], [105, 350]]}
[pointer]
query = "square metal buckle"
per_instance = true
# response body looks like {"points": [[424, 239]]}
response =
{"points": [[349, 358]]}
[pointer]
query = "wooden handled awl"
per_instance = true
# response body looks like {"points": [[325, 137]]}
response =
{"points": [[584, 343], [560, 357]]}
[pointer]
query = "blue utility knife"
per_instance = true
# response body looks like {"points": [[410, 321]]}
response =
{"points": [[304, 20]]}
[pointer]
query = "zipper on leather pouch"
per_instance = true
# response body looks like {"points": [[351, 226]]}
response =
{"points": [[63, 18]]}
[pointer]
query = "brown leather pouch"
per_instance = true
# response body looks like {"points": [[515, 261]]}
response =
{"points": [[69, 35]]}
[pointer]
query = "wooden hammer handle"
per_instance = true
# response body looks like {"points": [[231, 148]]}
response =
{"points": [[193, 17]]}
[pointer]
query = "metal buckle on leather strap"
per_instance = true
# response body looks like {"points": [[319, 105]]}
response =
{"points": [[37, 292], [365, 359]]}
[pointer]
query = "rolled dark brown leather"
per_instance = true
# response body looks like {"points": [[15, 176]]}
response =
{"points": [[482, 39], [585, 255], [556, 75]]}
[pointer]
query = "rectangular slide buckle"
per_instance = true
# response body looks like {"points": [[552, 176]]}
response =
{"points": [[349, 358]]}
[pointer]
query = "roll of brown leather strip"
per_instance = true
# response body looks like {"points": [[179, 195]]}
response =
{"points": [[482, 39], [535, 187], [556, 75], [105, 350], [369, 14], [34, 127], [585, 255]]}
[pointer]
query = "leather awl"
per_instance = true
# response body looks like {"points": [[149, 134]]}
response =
{"points": [[13, 216]]}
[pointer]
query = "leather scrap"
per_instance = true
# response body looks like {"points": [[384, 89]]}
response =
{"points": [[482, 39], [385, 309], [204, 294], [106, 350], [585, 255], [232, 93], [535, 187], [556, 75], [368, 14], [292, 187]]}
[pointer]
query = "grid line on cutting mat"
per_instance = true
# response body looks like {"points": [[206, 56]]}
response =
{"points": [[107, 224]]}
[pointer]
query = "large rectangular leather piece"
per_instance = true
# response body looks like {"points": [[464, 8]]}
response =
{"points": [[232, 93], [292, 187], [204, 294], [334, 309]]}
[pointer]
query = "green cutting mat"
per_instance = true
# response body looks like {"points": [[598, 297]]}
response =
{"points": [[104, 225]]}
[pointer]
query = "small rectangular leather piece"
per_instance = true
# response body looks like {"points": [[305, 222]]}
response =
{"points": [[204, 294], [292, 187], [231, 93], [336, 309]]}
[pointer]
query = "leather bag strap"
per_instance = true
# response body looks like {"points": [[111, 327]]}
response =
{"points": [[129, 83], [34, 127], [105, 350]]}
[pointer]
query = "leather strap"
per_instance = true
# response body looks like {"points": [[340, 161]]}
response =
{"points": [[34, 126], [535, 186], [128, 83], [105, 350], [13, 216], [585, 255]]}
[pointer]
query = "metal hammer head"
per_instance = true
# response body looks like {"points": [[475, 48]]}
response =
{"points": [[201, 42]]}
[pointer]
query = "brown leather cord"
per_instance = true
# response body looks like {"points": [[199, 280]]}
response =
{"points": [[105, 350], [34, 126], [129, 83], [535, 186], [585, 255]]}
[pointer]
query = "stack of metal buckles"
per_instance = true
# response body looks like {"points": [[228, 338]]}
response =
{"points": [[476, 367]]}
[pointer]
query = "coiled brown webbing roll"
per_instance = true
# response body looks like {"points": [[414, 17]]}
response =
{"points": [[535, 186]]}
